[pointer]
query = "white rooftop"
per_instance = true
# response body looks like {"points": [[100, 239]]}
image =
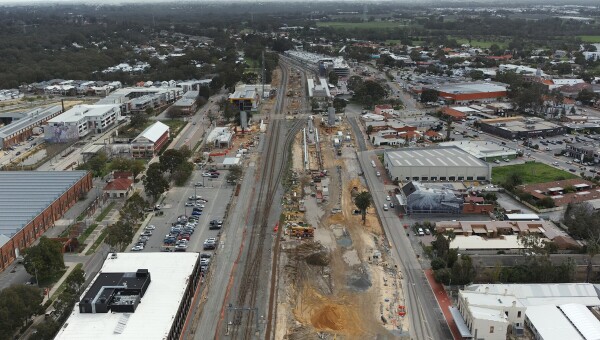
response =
{"points": [[154, 131], [544, 294], [583, 319], [153, 317], [482, 149], [79, 112], [448, 156], [477, 242], [488, 314], [551, 324]]}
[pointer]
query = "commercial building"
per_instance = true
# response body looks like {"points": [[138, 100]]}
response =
{"points": [[520, 127], [136, 296], [188, 103], [490, 311], [18, 130], [445, 163], [80, 121], [563, 192], [30, 203], [583, 152], [138, 99], [419, 199], [487, 151], [247, 97], [150, 141], [220, 137], [463, 93], [319, 89], [492, 229], [337, 65]]}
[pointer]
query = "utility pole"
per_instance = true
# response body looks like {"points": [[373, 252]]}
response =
{"points": [[263, 76]]}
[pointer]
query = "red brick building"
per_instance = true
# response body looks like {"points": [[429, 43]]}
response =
{"points": [[30, 204]]}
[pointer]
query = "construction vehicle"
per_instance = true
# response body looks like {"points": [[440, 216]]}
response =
{"points": [[303, 232]]}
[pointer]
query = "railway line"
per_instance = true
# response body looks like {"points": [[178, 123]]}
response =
{"points": [[245, 309]]}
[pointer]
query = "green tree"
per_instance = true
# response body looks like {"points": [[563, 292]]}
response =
{"points": [[216, 83], [119, 235], [18, 303], [339, 104], [370, 92], [354, 83], [442, 275], [441, 246], [429, 96], [138, 120], [97, 164], [235, 173], [182, 173], [438, 263], [171, 159], [463, 271], [44, 260], [154, 182], [333, 78], [363, 201], [369, 130], [75, 280]]}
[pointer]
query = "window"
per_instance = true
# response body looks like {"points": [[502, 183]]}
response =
{"points": [[491, 329], [416, 178], [423, 178], [442, 178], [469, 178], [518, 314], [481, 178], [452, 178]]}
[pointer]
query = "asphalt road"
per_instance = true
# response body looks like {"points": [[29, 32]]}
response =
{"points": [[427, 320]]}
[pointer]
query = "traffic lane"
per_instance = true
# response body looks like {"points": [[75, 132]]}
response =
{"points": [[226, 259], [421, 302]]}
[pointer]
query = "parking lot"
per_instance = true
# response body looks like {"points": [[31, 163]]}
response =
{"points": [[204, 200]]}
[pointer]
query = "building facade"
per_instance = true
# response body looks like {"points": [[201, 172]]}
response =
{"points": [[150, 141], [30, 203]]}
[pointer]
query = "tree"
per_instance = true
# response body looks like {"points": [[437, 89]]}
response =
{"points": [[18, 303], [138, 120], [463, 271], [429, 96], [154, 182], [333, 78], [182, 173], [369, 130], [75, 280], [438, 263], [363, 202], [441, 246], [216, 83], [119, 235], [44, 260], [230, 112], [235, 173], [96, 164], [370, 92], [354, 83], [586, 96], [171, 159], [476, 75], [339, 104]]}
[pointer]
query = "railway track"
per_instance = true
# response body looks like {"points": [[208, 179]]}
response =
{"points": [[274, 160]]}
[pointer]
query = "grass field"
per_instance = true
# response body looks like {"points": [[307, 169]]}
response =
{"points": [[590, 38], [531, 173], [360, 25], [479, 43]]}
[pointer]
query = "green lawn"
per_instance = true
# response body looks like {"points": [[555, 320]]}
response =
{"points": [[531, 172], [480, 43], [360, 25], [590, 38]]}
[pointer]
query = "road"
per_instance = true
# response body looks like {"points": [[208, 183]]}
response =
{"points": [[426, 319]]}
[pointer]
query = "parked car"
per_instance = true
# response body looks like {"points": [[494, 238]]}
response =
{"points": [[385, 207], [137, 247], [150, 227], [199, 184], [206, 174]]}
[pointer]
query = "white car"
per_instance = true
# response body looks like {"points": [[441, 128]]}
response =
{"points": [[388, 198], [137, 247], [189, 204], [378, 173], [207, 174], [150, 227], [199, 206]]}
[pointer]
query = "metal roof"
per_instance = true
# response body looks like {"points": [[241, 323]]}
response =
{"points": [[153, 132], [551, 324], [447, 156], [581, 317], [25, 194], [32, 117]]}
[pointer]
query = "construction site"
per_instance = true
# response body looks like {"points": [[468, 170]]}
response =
{"points": [[336, 276]]}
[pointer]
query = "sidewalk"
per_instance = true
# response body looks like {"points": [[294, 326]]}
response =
{"points": [[443, 301], [70, 266]]}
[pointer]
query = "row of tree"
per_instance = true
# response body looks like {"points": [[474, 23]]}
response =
{"points": [[121, 233], [173, 166], [448, 267]]}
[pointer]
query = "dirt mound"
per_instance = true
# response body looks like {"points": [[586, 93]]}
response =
{"points": [[318, 259], [329, 317]]}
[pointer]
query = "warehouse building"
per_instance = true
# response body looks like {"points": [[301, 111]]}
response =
{"points": [[446, 163], [487, 151], [520, 127], [150, 141], [80, 121], [23, 125], [464, 93], [418, 199], [550, 311], [136, 296], [30, 203]]}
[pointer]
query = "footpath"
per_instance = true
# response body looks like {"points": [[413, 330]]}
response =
{"points": [[444, 302]]}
